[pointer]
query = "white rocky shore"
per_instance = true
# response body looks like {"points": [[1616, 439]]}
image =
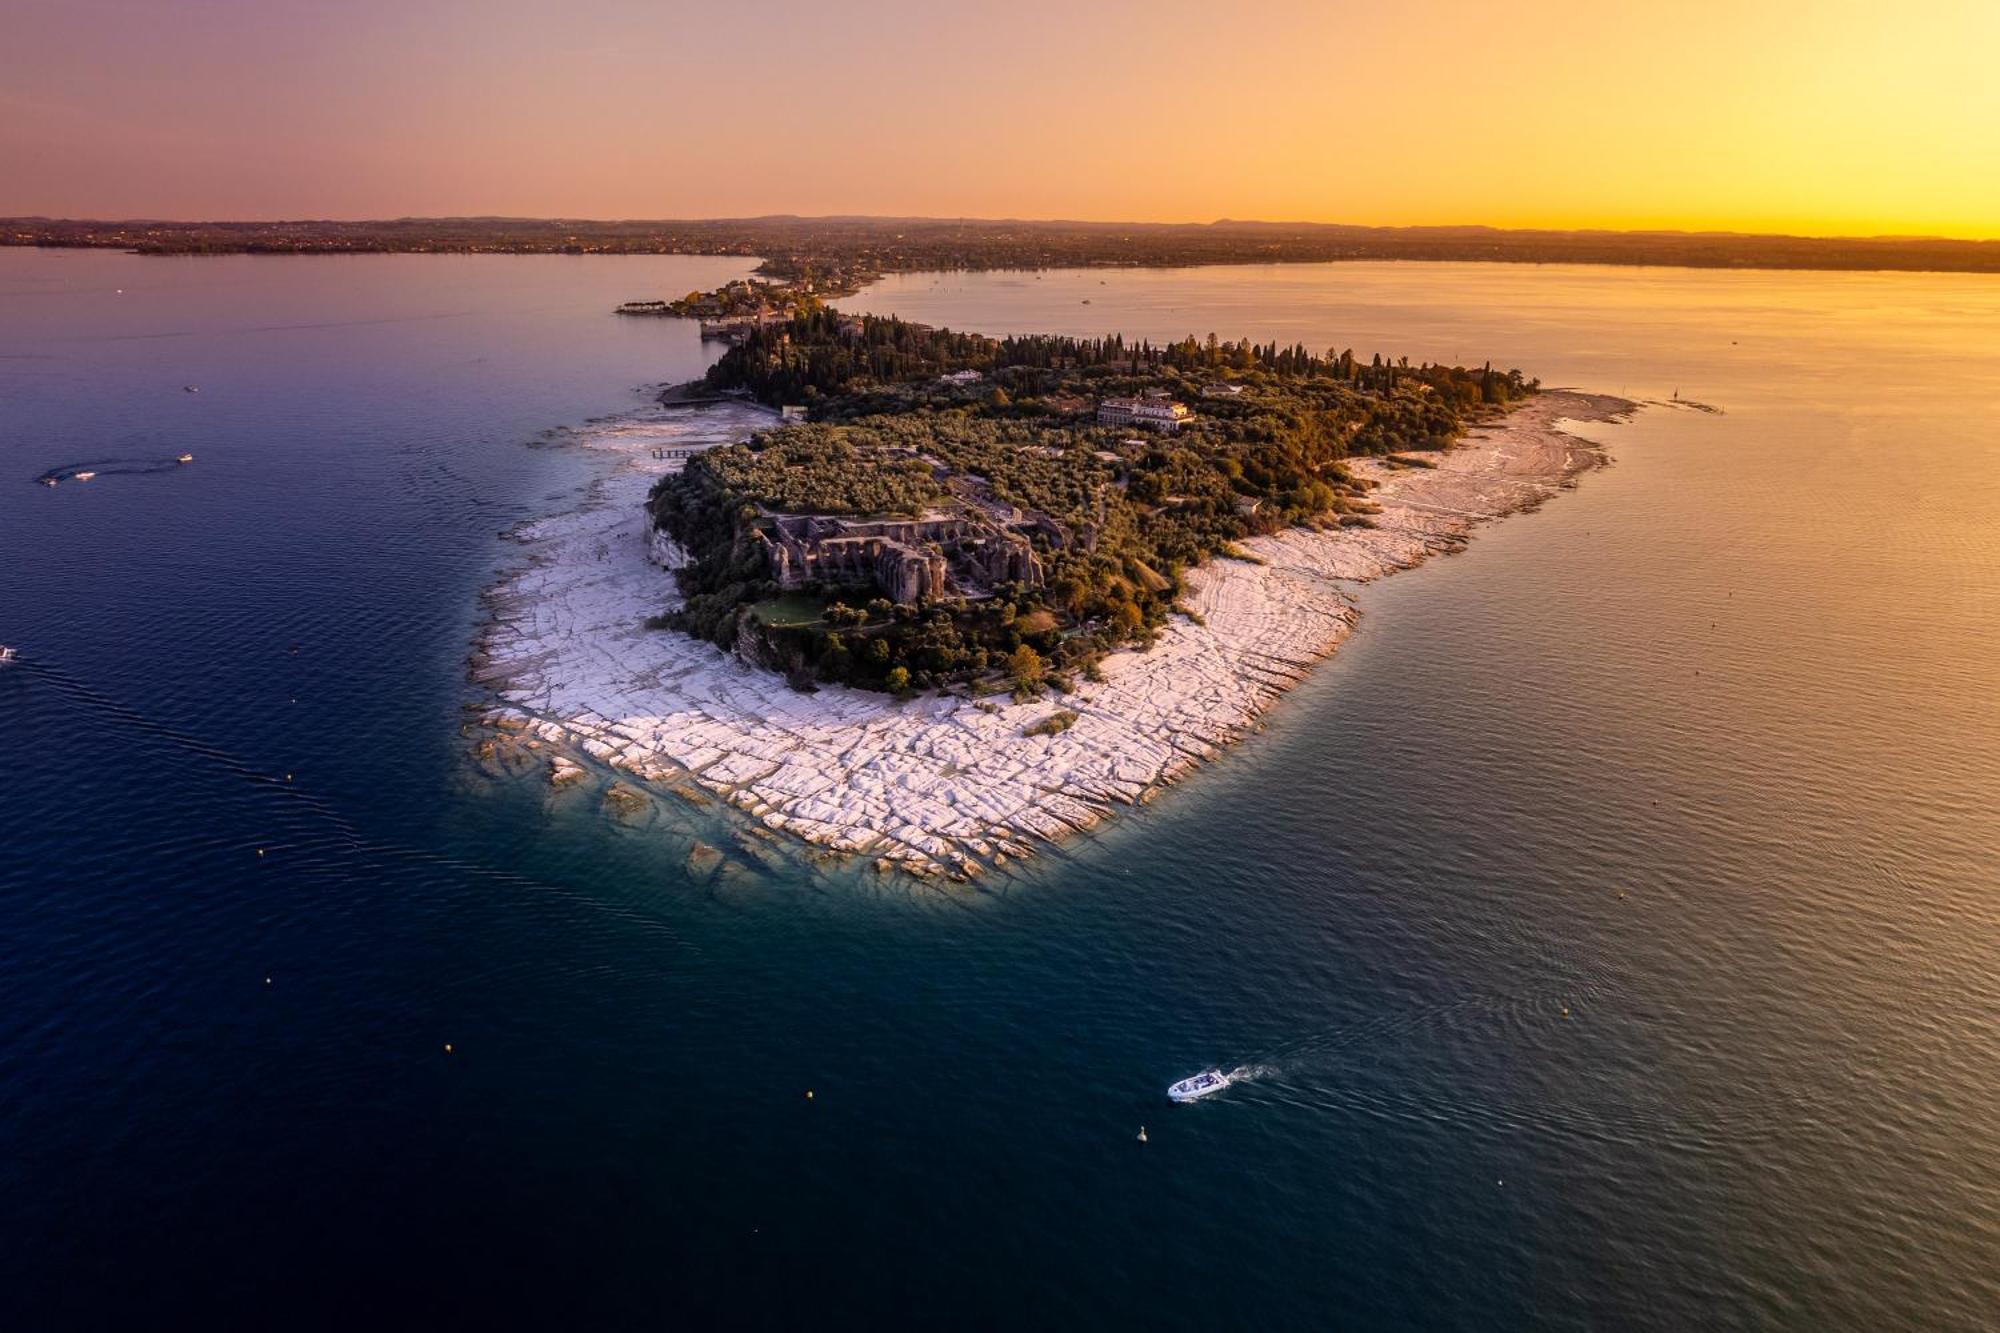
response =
{"points": [[949, 784]]}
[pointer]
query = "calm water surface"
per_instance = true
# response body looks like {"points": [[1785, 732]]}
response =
{"points": [[1614, 926]]}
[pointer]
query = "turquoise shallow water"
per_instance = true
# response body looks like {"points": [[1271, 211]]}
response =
{"points": [[1611, 924]]}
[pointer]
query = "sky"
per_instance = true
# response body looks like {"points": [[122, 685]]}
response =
{"points": [[1822, 117]]}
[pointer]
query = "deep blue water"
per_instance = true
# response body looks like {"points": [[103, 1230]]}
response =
{"points": [[1591, 992]]}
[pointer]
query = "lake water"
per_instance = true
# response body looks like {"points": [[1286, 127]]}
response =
{"points": [[1614, 923]]}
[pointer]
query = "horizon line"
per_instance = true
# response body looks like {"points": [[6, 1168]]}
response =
{"points": [[969, 219]]}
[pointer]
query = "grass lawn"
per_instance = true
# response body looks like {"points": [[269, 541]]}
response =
{"points": [[793, 610]]}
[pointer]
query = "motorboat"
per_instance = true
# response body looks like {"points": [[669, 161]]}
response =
{"points": [[1204, 1084], [82, 476], [184, 458], [6, 654], [49, 481]]}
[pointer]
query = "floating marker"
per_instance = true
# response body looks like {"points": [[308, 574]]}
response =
{"points": [[447, 1048], [809, 1094], [1142, 1133]]}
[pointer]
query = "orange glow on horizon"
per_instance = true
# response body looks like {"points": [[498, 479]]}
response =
{"points": [[1814, 117]]}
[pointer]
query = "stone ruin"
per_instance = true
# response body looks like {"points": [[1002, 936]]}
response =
{"points": [[912, 560]]}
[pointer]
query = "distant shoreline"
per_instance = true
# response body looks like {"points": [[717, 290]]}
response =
{"points": [[952, 785], [844, 252]]}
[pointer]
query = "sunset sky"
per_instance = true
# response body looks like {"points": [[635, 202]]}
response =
{"points": [[1816, 116]]}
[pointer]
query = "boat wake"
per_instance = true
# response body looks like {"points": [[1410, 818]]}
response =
{"points": [[1336, 1069], [107, 467]]}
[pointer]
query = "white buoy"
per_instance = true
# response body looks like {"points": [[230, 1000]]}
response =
{"points": [[1142, 1133]]}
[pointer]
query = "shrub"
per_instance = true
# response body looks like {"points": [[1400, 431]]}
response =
{"points": [[1053, 725]]}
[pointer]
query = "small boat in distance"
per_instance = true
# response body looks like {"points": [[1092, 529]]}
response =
{"points": [[81, 476], [184, 458], [48, 481], [7, 655], [1200, 1085]]}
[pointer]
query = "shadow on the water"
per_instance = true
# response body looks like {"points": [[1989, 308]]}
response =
{"points": [[307, 834]]}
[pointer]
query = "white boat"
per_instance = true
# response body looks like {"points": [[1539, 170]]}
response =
{"points": [[6, 654], [184, 458], [83, 476], [48, 481], [1207, 1082]]}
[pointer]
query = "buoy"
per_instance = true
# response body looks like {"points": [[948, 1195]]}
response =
{"points": [[1565, 1011], [1142, 1133], [809, 1094], [260, 851], [447, 1048], [288, 777], [267, 981]]}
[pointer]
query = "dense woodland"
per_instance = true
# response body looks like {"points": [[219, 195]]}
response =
{"points": [[889, 436]]}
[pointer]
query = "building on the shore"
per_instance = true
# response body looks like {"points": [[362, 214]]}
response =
{"points": [[793, 412], [1221, 390], [1150, 412], [961, 377]]}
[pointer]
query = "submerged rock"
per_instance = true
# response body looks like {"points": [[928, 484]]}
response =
{"points": [[703, 861], [622, 802]]}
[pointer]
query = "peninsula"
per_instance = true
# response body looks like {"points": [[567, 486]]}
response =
{"points": [[975, 593], [984, 513]]}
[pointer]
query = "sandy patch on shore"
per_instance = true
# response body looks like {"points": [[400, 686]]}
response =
{"points": [[949, 784]]}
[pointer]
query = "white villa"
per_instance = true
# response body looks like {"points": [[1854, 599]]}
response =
{"points": [[1153, 413]]}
